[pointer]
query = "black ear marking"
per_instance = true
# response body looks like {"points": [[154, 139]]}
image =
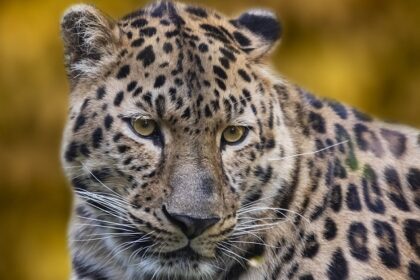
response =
{"points": [[258, 31], [263, 23], [88, 36]]}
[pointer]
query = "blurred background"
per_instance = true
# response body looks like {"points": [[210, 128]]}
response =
{"points": [[365, 53]]}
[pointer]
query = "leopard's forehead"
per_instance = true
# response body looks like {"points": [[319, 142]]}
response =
{"points": [[188, 25], [183, 62]]}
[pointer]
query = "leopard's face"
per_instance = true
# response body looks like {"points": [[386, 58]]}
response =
{"points": [[177, 142]]}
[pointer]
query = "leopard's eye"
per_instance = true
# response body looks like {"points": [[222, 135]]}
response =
{"points": [[144, 127], [234, 134]]}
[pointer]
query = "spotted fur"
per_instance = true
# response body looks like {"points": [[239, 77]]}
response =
{"points": [[316, 189]]}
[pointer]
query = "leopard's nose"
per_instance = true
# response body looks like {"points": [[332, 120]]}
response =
{"points": [[191, 226]]}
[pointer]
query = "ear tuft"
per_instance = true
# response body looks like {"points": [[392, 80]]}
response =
{"points": [[88, 37], [263, 23]]}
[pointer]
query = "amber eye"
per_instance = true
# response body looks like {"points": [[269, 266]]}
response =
{"points": [[234, 134], [144, 127]]}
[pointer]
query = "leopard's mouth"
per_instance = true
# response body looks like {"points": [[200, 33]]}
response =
{"points": [[186, 253], [181, 264]]}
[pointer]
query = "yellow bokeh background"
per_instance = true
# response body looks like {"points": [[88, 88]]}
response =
{"points": [[365, 53]]}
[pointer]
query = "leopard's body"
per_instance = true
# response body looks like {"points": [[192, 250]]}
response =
{"points": [[314, 190]]}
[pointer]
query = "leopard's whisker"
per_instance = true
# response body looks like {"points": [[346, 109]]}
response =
{"points": [[126, 245], [114, 253], [229, 244], [145, 250], [239, 235], [250, 232], [105, 227], [246, 227], [111, 202], [247, 220], [309, 153], [232, 254], [108, 212], [136, 253], [90, 239], [107, 203], [106, 235], [107, 222], [116, 234], [110, 195], [257, 243], [100, 182], [133, 254], [102, 196], [277, 210], [252, 203]]}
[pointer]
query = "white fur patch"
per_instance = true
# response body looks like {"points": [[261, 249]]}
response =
{"points": [[261, 13]]}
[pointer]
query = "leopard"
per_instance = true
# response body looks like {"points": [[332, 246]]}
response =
{"points": [[189, 158]]}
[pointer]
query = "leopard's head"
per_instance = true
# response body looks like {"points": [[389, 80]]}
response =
{"points": [[174, 121]]}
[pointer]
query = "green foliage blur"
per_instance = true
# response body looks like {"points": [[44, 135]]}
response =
{"points": [[365, 53]]}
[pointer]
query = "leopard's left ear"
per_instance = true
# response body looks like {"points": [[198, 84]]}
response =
{"points": [[89, 37], [258, 31]]}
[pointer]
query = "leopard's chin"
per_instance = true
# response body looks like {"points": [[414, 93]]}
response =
{"points": [[182, 264]]}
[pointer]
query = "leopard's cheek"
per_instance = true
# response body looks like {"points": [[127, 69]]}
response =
{"points": [[235, 170]]}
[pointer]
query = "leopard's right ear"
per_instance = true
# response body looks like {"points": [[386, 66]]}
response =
{"points": [[90, 37]]}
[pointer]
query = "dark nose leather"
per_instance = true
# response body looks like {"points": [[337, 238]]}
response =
{"points": [[190, 226]]}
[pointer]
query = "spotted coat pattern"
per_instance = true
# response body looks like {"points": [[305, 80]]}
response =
{"points": [[316, 189]]}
